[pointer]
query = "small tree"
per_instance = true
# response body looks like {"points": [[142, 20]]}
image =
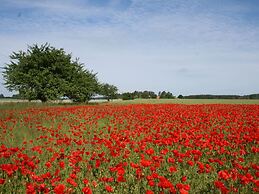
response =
{"points": [[137, 94], [180, 96], [169, 95], [109, 91], [152, 94], [166, 95], [162, 94], [46, 73], [127, 96]]}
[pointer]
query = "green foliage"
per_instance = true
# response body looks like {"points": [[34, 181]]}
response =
{"points": [[253, 96], [180, 96], [83, 86], [144, 94], [109, 91], [127, 96], [46, 73], [166, 95], [209, 96]]}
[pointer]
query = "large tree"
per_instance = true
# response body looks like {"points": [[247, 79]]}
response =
{"points": [[46, 73]]}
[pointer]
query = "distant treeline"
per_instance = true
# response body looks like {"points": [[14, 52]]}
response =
{"points": [[145, 95], [207, 96], [125, 96], [162, 95]]}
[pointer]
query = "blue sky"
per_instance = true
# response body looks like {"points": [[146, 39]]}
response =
{"points": [[182, 46]]}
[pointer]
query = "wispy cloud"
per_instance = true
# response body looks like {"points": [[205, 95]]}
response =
{"points": [[181, 46]]}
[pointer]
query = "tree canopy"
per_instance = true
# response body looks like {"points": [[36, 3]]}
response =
{"points": [[144, 94], [127, 96], [109, 91], [46, 73], [166, 95]]}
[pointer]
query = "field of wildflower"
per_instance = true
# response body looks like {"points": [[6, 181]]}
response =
{"points": [[162, 148]]}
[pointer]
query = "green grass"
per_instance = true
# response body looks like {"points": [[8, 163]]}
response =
{"points": [[186, 101], [19, 105], [14, 105]]}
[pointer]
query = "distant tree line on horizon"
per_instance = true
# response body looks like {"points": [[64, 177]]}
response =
{"points": [[208, 96], [145, 95], [152, 95]]}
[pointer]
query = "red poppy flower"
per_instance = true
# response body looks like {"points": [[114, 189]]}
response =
{"points": [[109, 188], [87, 190], [59, 189], [149, 192], [184, 178], [2, 181], [62, 164]]}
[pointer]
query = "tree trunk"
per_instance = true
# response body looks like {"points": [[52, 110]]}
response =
{"points": [[43, 99]]}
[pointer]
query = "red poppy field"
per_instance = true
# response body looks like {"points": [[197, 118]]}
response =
{"points": [[130, 149]]}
